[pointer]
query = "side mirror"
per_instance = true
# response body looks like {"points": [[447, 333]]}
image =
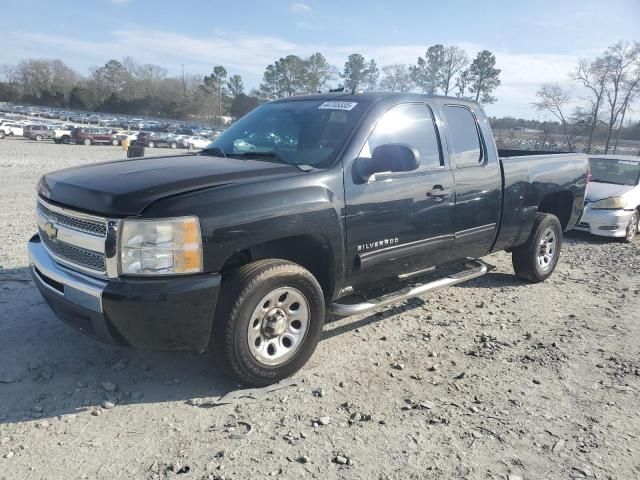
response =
{"points": [[390, 157]]}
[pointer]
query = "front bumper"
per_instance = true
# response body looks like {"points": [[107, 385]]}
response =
{"points": [[173, 313], [607, 223]]}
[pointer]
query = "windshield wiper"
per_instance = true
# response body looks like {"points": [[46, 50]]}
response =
{"points": [[214, 152], [597, 180]]}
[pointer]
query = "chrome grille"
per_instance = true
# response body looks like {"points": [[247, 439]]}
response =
{"points": [[80, 256], [82, 225]]}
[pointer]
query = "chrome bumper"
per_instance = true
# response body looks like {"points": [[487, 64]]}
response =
{"points": [[77, 288], [607, 223]]}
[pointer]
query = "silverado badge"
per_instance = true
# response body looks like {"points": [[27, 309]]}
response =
{"points": [[50, 230]]}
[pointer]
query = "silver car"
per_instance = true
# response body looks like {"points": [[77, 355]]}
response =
{"points": [[612, 207]]}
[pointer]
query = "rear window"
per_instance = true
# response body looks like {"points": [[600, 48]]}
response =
{"points": [[464, 136]]}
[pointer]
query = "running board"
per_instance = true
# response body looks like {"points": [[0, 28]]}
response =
{"points": [[475, 269]]}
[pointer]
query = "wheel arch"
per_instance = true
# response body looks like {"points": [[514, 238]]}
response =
{"points": [[559, 204], [311, 251]]}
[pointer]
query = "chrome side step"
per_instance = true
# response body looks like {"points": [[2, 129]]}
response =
{"points": [[475, 269]]}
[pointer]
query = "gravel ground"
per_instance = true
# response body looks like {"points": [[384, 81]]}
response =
{"points": [[493, 379]]}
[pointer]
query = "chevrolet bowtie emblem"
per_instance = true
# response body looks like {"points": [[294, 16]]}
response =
{"points": [[51, 230]]}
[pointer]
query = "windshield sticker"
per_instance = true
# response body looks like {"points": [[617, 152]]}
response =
{"points": [[338, 106]]}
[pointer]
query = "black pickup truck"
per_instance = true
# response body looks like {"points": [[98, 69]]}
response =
{"points": [[302, 208]]}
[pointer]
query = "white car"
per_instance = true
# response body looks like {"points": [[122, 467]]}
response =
{"points": [[62, 135], [612, 207], [127, 135], [14, 129], [196, 141]]}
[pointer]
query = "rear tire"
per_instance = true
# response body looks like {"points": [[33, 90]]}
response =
{"points": [[632, 228], [114, 142], [65, 140], [87, 141], [151, 144], [268, 321], [173, 145], [536, 260], [38, 138]]}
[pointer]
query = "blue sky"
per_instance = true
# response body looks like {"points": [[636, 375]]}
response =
{"points": [[534, 42]]}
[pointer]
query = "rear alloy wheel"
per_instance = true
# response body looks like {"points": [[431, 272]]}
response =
{"points": [[268, 322], [87, 141], [114, 142], [632, 228], [38, 138]]}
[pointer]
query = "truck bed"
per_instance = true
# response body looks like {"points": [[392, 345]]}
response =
{"points": [[527, 181], [506, 153]]}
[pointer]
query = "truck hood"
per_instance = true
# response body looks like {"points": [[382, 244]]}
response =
{"points": [[126, 187], [598, 191]]}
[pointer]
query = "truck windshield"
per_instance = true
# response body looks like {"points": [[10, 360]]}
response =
{"points": [[296, 132], [618, 172]]}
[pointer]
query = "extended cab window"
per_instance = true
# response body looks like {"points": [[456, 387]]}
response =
{"points": [[464, 136], [411, 124]]}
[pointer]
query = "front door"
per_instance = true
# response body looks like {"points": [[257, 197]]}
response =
{"points": [[400, 222]]}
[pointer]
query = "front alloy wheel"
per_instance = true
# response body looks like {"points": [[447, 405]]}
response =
{"points": [[268, 321], [279, 325], [632, 228]]}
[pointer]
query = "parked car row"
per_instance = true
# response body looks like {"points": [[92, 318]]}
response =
{"points": [[117, 122], [96, 135]]}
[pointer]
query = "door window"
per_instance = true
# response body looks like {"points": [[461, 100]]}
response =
{"points": [[412, 124], [464, 136]]}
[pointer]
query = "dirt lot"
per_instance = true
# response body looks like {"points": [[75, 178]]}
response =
{"points": [[493, 379]]}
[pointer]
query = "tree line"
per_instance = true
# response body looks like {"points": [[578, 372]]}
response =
{"points": [[610, 85], [128, 87], [443, 69]]}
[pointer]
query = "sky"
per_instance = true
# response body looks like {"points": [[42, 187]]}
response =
{"points": [[534, 42]]}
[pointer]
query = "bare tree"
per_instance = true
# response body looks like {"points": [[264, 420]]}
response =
{"points": [[455, 60], [9, 72], [396, 78], [553, 99], [630, 90], [622, 57], [593, 75]]}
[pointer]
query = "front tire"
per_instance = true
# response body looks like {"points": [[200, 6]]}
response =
{"points": [[536, 260], [632, 228], [268, 322], [151, 144], [38, 138], [87, 141]]}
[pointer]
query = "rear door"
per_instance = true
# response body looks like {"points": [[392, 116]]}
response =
{"points": [[400, 222], [477, 177]]}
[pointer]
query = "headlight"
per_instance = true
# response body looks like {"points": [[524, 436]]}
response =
{"points": [[161, 247], [613, 203]]}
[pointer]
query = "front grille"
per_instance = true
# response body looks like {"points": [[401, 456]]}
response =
{"points": [[82, 225], [80, 256]]}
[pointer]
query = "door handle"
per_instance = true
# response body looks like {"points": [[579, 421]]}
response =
{"points": [[438, 191]]}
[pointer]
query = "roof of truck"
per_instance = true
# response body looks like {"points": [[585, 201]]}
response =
{"points": [[372, 97]]}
